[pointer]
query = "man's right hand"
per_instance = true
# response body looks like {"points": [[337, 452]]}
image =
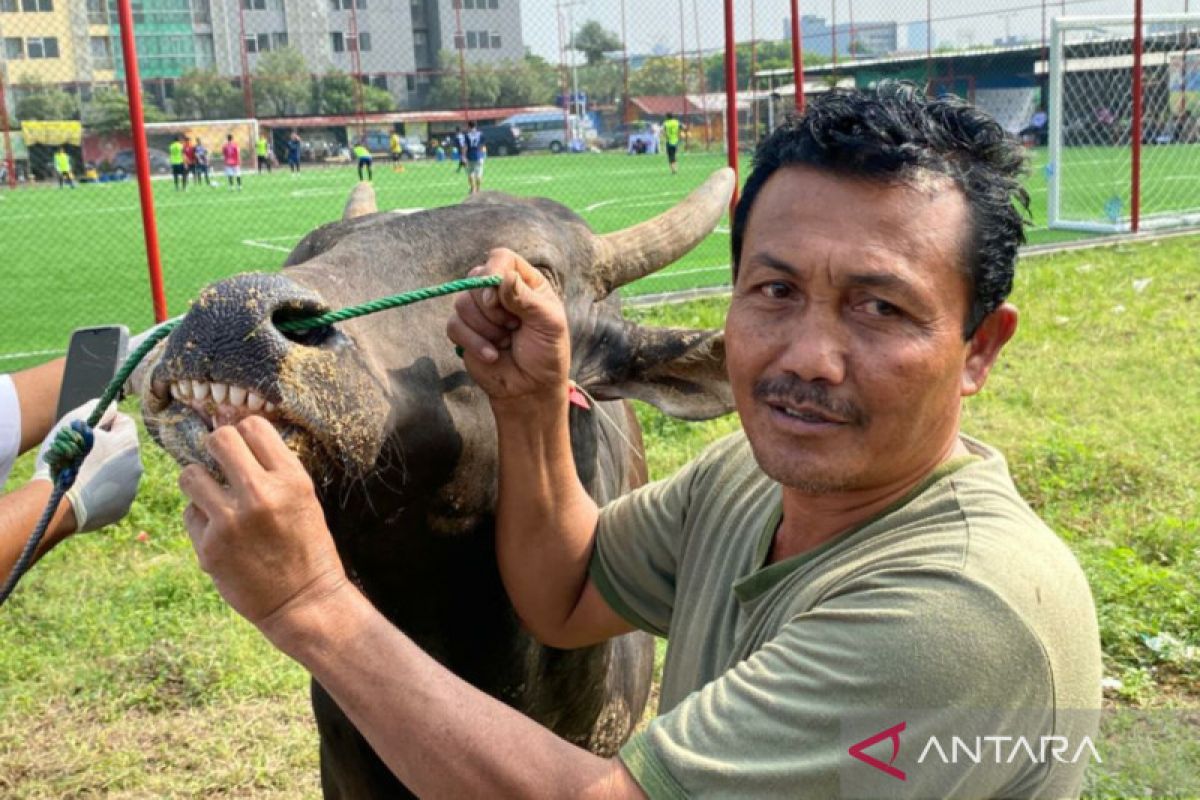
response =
{"points": [[514, 336]]}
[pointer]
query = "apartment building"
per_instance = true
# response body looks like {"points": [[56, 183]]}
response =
{"points": [[393, 44]]}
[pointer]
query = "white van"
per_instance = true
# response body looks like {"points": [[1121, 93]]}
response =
{"points": [[545, 130]]}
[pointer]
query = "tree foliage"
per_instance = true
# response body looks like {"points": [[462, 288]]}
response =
{"points": [[282, 86], [483, 84], [203, 94], [40, 101], [593, 40], [767, 55], [604, 82], [660, 75], [529, 81], [108, 112]]}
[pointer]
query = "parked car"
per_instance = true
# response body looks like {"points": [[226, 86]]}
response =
{"points": [[501, 140], [381, 142], [159, 163], [546, 130]]}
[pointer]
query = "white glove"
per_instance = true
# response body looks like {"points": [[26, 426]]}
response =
{"points": [[108, 479]]}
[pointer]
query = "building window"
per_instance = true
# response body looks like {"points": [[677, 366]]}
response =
{"points": [[346, 5], [101, 52], [206, 57], [337, 41], [254, 5], [472, 40], [201, 12], [279, 40], [457, 4], [37, 5], [459, 44], [493, 3], [42, 47], [364, 42], [260, 43], [410, 83], [379, 82], [495, 41], [10, 6], [468, 3], [14, 48]]}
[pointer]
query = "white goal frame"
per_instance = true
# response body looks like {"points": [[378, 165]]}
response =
{"points": [[1059, 66]]}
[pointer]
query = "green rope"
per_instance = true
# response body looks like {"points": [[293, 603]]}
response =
{"points": [[74, 442], [394, 301]]}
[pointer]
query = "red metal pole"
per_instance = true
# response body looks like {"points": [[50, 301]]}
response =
{"points": [[9, 162], [356, 67], [133, 87], [627, 112], [731, 117], [247, 90], [462, 62], [1135, 177], [797, 57], [852, 31], [682, 72], [833, 31]]}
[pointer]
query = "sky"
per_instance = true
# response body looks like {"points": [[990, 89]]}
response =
{"points": [[652, 24]]}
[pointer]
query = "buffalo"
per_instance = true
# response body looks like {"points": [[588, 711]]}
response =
{"points": [[401, 444]]}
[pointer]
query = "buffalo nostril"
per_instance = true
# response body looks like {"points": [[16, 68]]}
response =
{"points": [[309, 337]]}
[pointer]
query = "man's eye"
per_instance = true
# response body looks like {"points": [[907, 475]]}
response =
{"points": [[776, 290], [881, 308]]}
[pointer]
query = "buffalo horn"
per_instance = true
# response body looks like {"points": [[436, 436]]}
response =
{"points": [[624, 256], [361, 202]]}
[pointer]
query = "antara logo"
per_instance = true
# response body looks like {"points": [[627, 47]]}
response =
{"points": [[858, 750]]}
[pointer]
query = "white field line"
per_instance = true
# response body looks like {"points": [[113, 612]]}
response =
{"points": [[30, 354], [265, 246]]}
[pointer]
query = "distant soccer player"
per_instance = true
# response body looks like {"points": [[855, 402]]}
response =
{"points": [[178, 164], [670, 131], [397, 150], [200, 153], [364, 159], [473, 142], [189, 157], [293, 152], [460, 144], [62, 166], [263, 148], [233, 162]]}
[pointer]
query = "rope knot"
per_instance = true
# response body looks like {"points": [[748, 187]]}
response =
{"points": [[71, 446]]}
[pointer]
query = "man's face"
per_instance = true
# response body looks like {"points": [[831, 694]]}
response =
{"points": [[844, 338]]}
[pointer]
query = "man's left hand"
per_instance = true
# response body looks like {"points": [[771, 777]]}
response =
{"points": [[263, 539]]}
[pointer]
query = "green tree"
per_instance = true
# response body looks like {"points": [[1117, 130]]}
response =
{"points": [[335, 93], [282, 86], [603, 82], [203, 94], [108, 112], [377, 100], [594, 41], [483, 84], [530, 81], [40, 101], [659, 75]]}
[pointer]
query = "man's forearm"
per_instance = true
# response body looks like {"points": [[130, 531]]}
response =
{"points": [[438, 734], [37, 393], [545, 521], [19, 513]]}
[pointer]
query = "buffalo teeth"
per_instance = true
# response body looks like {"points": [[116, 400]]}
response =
{"points": [[254, 401], [237, 395], [199, 390], [219, 391]]}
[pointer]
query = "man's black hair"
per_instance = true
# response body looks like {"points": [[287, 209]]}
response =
{"points": [[895, 133]]}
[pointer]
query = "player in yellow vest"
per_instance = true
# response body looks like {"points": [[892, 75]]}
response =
{"points": [[263, 149], [670, 130], [178, 163], [364, 160], [397, 150], [62, 165]]}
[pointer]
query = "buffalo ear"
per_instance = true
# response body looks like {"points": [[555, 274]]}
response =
{"points": [[679, 371]]}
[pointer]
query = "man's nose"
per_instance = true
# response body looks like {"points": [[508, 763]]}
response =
{"points": [[817, 348]]}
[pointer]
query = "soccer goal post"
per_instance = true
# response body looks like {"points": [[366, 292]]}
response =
{"points": [[1117, 164], [212, 132]]}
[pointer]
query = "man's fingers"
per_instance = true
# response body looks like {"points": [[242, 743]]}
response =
{"points": [[233, 455], [476, 319], [267, 445], [195, 521], [470, 341], [202, 490]]}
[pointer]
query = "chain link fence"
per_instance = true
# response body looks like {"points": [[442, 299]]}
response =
{"points": [[570, 98]]}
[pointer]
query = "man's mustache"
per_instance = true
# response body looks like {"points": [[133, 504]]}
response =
{"points": [[790, 390]]}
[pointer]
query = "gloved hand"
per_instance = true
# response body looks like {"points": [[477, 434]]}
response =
{"points": [[108, 479]]}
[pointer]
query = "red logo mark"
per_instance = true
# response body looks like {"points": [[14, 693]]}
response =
{"points": [[892, 733]]}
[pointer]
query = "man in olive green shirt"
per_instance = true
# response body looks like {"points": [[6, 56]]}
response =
{"points": [[849, 588]]}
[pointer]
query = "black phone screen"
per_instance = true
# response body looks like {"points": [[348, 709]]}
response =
{"points": [[93, 358]]}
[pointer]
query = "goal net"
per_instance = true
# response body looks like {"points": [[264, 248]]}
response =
{"points": [[212, 133], [1097, 182]]}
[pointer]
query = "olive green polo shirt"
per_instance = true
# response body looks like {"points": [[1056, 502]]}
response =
{"points": [[957, 605]]}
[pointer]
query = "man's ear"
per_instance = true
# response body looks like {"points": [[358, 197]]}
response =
{"points": [[982, 350]]}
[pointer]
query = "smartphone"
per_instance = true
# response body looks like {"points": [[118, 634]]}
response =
{"points": [[93, 358]]}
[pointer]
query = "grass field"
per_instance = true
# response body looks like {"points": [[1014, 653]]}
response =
{"points": [[123, 675], [72, 258]]}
